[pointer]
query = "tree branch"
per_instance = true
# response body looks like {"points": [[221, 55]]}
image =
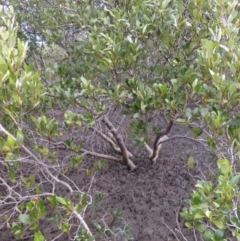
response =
{"points": [[162, 136], [121, 144], [40, 163], [2, 129], [181, 137], [84, 152], [110, 141], [91, 153]]}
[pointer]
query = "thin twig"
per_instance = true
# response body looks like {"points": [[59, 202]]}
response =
{"points": [[171, 231]]}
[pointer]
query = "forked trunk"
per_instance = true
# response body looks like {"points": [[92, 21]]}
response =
{"points": [[119, 140]]}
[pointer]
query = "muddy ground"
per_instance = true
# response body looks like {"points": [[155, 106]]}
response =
{"points": [[149, 198]]}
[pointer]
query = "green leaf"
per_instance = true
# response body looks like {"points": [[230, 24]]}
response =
{"points": [[76, 161], [24, 218], [1, 143], [61, 200], [188, 113], [41, 208], [196, 131], [3, 66], [234, 181], [208, 234], [11, 141], [129, 38], [97, 226], [224, 47], [17, 230], [53, 201], [65, 227], [24, 180], [219, 223], [189, 225], [223, 166], [179, 120], [232, 88], [20, 137], [38, 236], [199, 215], [165, 3], [191, 162], [12, 175], [80, 207], [38, 190], [236, 221], [219, 235], [145, 28], [204, 111], [211, 142], [208, 214]]}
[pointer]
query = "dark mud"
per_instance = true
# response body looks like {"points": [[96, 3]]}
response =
{"points": [[149, 198]]}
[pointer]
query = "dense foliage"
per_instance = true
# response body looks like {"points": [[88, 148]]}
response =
{"points": [[175, 57]]}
